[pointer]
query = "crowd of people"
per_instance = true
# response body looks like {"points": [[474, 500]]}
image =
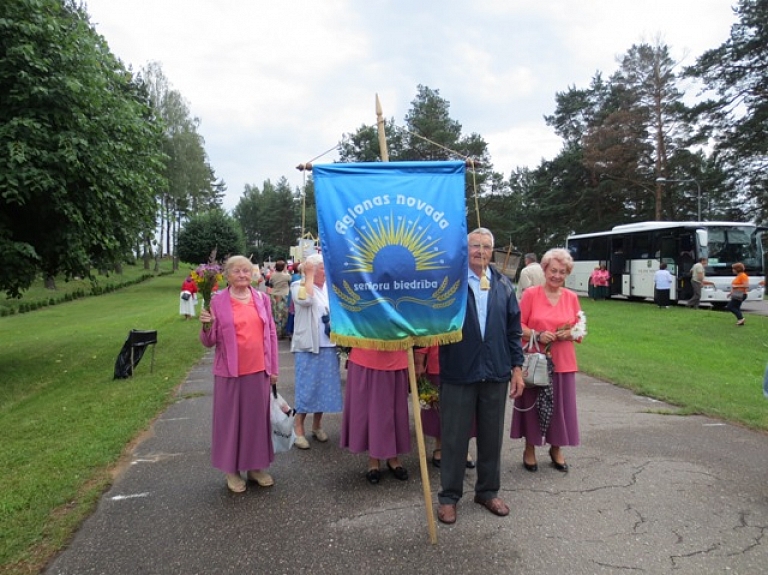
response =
{"points": [[474, 377]]}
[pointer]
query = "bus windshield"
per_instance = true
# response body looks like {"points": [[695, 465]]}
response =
{"points": [[728, 245]]}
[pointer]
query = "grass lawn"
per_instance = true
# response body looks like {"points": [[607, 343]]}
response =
{"points": [[65, 422], [698, 360]]}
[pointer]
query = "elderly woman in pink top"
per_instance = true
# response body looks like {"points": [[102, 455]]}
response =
{"points": [[241, 327], [375, 417], [549, 314]]}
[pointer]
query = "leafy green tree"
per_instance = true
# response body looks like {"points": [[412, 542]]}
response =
{"points": [[206, 232], [657, 118], [363, 145], [80, 156], [278, 220], [269, 218], [247, 213], [192, 186], [737, 72], [630, 132]]}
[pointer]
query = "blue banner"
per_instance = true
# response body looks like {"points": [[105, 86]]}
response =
{"points": [[394, 241]]}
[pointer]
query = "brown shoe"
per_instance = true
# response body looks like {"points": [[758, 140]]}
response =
{"points": [[495, 505], [446, 513]]}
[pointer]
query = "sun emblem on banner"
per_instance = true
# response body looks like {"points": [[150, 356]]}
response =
{"points": [[402, 235]]}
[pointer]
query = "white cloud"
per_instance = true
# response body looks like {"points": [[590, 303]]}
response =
{"points": [[276, 84]]}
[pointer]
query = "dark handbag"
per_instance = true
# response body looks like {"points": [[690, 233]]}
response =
{"points": [[535, 369], [186, 295]]}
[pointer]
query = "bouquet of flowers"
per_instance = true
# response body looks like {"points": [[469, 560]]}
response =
{"points": [[207, 277], [579, 330], [429, 398]]}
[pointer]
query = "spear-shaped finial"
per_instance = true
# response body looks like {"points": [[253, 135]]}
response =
{"points": [[382, 131]]}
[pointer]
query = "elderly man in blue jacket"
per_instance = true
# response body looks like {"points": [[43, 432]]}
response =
{"points": [[475, 374]]}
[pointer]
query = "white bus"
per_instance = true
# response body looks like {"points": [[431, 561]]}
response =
{"points": [[633, 252]]}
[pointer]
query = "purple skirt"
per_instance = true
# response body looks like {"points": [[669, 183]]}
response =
{"points": [[375, 417], [564, 427], [242, 432]]}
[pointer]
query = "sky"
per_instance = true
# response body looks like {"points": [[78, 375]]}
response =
{"points": [[277, 84]]}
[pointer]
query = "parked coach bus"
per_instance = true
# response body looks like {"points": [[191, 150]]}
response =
{"points": [[633, 252]]}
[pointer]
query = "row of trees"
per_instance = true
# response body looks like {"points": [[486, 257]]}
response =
{"points": [[95, 159]]}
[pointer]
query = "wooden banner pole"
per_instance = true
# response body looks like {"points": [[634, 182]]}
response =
{"points": [[422, 449], [382, 132], [412, 372]]}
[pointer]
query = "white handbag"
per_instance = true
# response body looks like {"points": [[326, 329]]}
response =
{"points": [[535, 369]]}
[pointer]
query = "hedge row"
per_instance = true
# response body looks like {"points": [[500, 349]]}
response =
{"points": [[96, 289]]}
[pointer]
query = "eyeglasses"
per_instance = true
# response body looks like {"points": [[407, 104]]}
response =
{"points": [[484, 247]]}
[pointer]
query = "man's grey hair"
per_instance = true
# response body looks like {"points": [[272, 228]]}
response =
{"points": [[530, 257], [482, 232]]}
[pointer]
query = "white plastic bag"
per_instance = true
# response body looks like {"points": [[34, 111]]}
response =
{"points": [[282, 416]]}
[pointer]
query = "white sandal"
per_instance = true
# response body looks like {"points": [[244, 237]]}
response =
{"points": [[320, 435], [301, 442], [235, 483], [261, 477]]}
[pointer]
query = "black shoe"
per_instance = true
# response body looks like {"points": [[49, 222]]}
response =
{"points": [[559, 466], [532, 467], [470, 464], [436, 462], [399, 472], [373, 476]]}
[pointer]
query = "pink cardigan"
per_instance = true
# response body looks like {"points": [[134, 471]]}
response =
{"points": [[222, 334]]}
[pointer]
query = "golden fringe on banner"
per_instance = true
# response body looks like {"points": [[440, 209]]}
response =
{"points": [[396, 344]]}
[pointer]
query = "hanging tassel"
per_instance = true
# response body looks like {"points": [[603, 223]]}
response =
{"points": [[302, 290], [485, 285]]}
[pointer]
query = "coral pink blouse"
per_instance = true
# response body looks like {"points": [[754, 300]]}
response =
{"points": [[537, 313], [249, 331], [383, 360]]}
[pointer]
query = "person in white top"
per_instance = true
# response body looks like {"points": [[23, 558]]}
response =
{"points": [[317, 373], [662, 279], [531, 275]]}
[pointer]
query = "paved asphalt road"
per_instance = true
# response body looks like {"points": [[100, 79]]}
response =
{"points": [[648, 492]]}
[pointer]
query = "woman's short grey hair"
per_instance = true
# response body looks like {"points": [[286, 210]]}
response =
{"points": [[237, 261], [314, 259], [559, 255]]}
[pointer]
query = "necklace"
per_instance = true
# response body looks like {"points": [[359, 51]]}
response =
{"points": [[241, 298]]}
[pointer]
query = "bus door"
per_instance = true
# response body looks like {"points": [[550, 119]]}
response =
{"points": [[669, 253], [761, 242], [617, 265]]}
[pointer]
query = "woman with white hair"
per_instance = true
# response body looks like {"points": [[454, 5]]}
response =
{"points": [[551, 315], [241, 328], [318, 378]]}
